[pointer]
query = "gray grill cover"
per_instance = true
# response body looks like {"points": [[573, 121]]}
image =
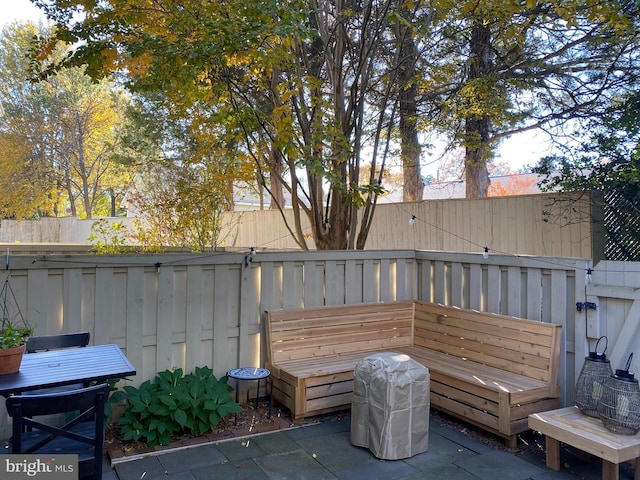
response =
{"points": [[390, 406]]}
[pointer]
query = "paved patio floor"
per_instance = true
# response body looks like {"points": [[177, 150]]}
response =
{"points": [[289, 455]]}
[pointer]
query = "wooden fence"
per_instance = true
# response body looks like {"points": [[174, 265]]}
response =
{"points": [[184, 310], [614, 292], [542, 224]]}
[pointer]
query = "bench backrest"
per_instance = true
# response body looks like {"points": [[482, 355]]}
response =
{"points": [[305, 333], [516, 345]]}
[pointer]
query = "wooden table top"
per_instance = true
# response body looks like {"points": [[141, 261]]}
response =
{"points": [[570, 426], [66, 367]]}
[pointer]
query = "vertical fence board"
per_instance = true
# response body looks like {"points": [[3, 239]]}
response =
{"points": [[559, 316], [514, 285], [334, 283], [439, 280], [353, 291], [475, 287], [133, 342], [249, 319], [208, 299], [456, 284], [164, 333], [88, 305], [313, 284], [371, 280], [534, 294], [36, 299], [270, 286], [104, 306], [292, 285], [493, 288], [385, 281], [402, 290], [194, 314], [225, 333]]}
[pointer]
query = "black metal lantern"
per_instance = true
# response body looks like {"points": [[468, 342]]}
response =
{"points": [[590, 385], [619, 406]]}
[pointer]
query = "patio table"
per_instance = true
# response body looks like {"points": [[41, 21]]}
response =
{"points": [[67, 367]]}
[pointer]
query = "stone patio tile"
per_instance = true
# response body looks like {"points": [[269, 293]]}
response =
{"points": [[191, 458], [441, 473], [377, 470], [276, 443], [298, 465], [148, 467], [320, 429], [239, 470], [442, 451], [500, 465], [179, 476], [336, 452], [239, 449], [459, 438]]}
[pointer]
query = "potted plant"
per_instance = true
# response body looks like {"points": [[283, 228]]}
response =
{"points": [[14, 328]]}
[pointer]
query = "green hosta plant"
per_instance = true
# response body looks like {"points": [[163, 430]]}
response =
{"points": [[173, 404]]}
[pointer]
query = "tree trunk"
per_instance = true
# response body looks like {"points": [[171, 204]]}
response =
{"points": [[478, 126], [277, 191], [112, 194], [410, 145]]}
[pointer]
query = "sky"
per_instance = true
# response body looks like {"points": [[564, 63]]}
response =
{"points": [[519, 151], [18, 10]]}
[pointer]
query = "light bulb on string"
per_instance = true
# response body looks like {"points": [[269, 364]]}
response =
{"points": [[412, 220], [485, 254]]}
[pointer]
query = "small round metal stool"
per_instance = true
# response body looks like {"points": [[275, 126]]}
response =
{"points": [[251, 373]]}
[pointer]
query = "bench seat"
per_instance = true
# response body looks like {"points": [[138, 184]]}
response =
{"points": [[490, 370], [480, 394]]}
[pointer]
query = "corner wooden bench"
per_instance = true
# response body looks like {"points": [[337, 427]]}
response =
{"points": [[490, 370]]}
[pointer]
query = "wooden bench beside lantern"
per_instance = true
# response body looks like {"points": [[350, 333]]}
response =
{"points": [[492, 371]]}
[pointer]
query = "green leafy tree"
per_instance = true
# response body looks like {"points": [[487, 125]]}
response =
{"points": [[61, 134], [303, 89], [28, 187], [503, 67], [184, 181], [607, 161]]}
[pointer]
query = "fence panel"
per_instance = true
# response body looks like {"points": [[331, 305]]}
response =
{"points": [[183, 310], [615, 291], [542, 224]]}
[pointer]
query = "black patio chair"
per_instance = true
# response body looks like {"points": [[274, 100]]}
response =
{"points": [[54, 342], [82, 436]]}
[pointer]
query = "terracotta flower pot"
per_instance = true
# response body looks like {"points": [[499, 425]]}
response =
{"points": [[10, 359]]}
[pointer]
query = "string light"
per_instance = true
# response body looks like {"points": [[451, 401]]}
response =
{"points": [[485, 254], [412, 220]]}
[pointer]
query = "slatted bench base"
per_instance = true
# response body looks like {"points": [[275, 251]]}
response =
{"points": [[568, 425], [327, 383]]}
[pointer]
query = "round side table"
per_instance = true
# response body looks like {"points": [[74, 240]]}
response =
{"points": [[251, 373]]}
